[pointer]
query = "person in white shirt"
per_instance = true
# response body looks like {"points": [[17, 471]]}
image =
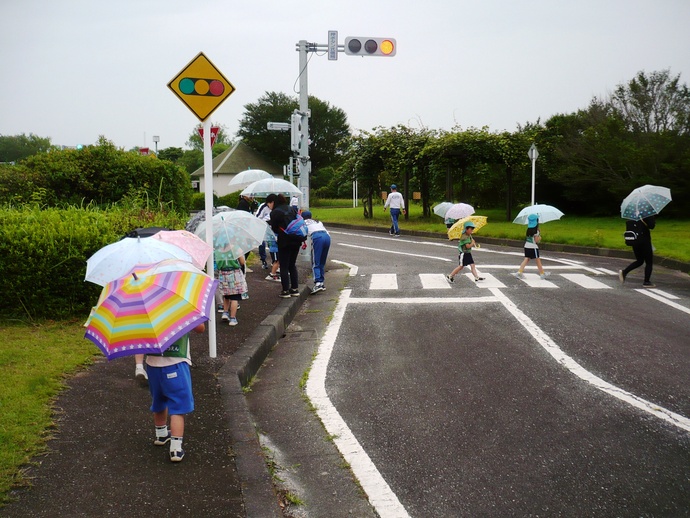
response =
{"points": [[396, 203], [320, 244]]}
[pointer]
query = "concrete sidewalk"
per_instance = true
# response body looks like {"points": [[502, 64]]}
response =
{"points": [[101, 460]]}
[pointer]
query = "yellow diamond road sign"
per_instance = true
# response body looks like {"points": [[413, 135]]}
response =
{"points": [[201, 86]]}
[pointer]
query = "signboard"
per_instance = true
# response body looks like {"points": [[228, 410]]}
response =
{"points": [[332, 45], [201, 86], [214, 134], [144, 151]]}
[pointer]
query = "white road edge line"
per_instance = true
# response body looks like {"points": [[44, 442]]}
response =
{"points": [[569, 363], [380, 495], [353, 268]]}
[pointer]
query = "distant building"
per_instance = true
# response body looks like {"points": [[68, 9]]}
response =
{"points": [[233, 160]]}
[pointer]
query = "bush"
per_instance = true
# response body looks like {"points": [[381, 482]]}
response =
{"points": [[101, 174], [230, 200], [43, 255]]}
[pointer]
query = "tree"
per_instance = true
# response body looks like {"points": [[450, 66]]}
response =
{"points": [[654, 103], [171, 153], [327, 128], [17, 147]]}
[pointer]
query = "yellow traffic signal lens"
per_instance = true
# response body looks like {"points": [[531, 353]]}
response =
{"points": [[387, 47]]}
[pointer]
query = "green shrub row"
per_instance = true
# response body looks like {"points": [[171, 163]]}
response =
{"points": [[43, 255]]}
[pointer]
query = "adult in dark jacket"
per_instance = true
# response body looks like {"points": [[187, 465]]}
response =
{"points": [[246, 204], [644, 252], [288, 246]]}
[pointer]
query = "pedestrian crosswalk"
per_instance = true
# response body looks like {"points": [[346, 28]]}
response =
{"points": [[437, 281]]}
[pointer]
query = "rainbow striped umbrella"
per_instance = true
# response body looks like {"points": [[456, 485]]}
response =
{"points": [[145, 311]]}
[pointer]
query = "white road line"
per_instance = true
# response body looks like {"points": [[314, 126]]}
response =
{"points": [[606, 271], [569, 363], [434, 281], [380, 495], [353, 269], [489, 280], [658, 297], [669, 296], [534, 281], [394, 252], [586, 282], [383, 281]]}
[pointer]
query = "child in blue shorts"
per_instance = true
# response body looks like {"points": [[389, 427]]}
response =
{"points": [[170, 384]]}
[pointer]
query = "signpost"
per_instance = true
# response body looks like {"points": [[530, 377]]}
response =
{"points": [[533, 154], [202, 88]]}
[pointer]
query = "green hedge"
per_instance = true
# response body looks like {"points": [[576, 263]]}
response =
{"points": [[43, 255]]}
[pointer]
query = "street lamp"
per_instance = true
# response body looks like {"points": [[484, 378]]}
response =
{"points": [[533, 154], [156, 140]]}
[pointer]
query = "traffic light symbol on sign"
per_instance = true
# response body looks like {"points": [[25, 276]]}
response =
{"points": [[196, 86], [370, 46]]}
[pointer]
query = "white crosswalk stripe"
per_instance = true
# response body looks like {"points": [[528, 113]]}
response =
{"points": [[585, 281], [437, 281], [489, 281], [384, 281], [534, 281], [434, 281]]}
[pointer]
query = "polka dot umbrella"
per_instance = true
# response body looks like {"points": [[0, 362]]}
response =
{"points": [[645, 201]]}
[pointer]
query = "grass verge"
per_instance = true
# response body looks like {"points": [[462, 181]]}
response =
{"points": [[35, 361]]}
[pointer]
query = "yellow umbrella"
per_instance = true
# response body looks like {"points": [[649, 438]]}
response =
{"points": [[458, 227]]}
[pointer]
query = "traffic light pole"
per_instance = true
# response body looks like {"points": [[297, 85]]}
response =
{"points": [[303, 160], [355, 46]]}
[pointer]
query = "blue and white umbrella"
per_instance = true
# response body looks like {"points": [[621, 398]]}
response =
{"points": [[544, 212], [645, 201]]}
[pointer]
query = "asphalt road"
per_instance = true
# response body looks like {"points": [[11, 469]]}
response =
{"points": [[559, 397]]}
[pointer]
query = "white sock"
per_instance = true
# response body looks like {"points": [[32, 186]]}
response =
{"points": [[162, 431], [176, 444]]}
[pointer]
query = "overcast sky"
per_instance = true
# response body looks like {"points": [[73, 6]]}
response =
{"points": [[76, 69]]}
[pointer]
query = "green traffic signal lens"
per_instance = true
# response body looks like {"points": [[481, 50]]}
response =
{"points": [[354, 46]]}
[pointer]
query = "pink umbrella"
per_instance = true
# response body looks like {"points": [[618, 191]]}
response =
{"points": [[199, 249]]}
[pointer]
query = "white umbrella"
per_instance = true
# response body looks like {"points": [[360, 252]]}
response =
{"points": [[459, 211], [262, 188], [441, 209], [234, 233], [117, 259], [246, 178], [545, 213]]}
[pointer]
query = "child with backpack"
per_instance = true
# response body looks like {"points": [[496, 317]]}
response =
{"points": [[532, 240], [465, 253]]}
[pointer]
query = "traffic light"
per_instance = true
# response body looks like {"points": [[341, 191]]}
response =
{"points": [[297, 135], [368, 46]]}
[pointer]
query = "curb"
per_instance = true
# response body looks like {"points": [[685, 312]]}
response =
{"points": [[259, 496]]}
